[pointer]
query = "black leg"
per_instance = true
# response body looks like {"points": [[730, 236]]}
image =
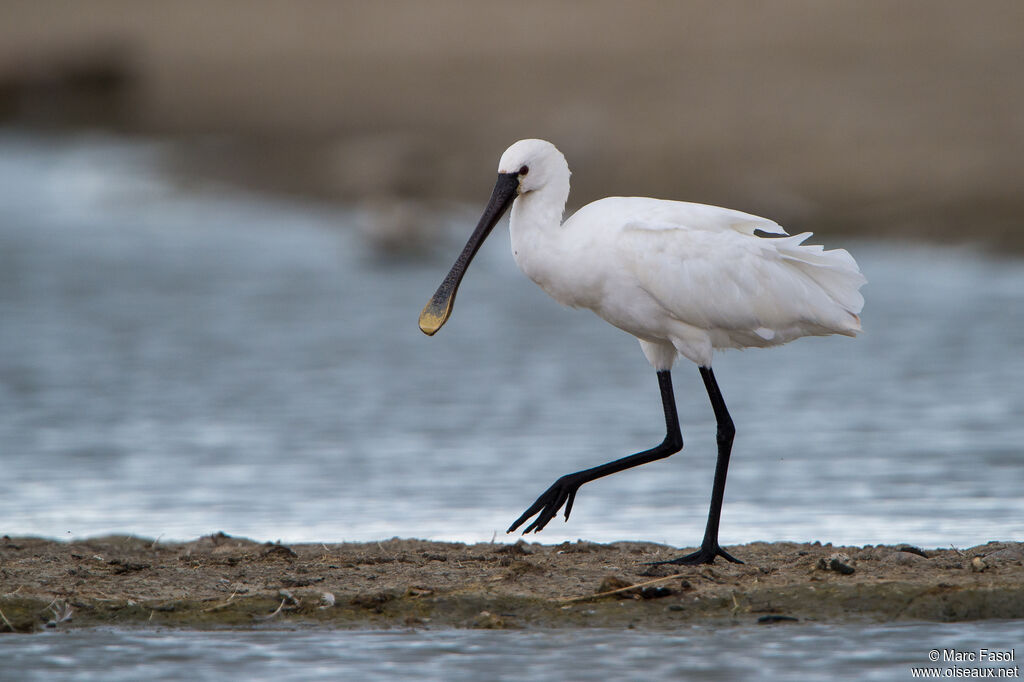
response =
{"points": [[564, 489], [709, 548]]}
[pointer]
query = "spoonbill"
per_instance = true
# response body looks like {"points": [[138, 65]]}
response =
{"points": [[683, 278]]}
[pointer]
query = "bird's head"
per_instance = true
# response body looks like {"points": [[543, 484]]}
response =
{"points": [[536, 164], [527, 166]]}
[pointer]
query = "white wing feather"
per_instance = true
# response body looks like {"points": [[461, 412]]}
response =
{"points": [[734, 284], [706, 269]]}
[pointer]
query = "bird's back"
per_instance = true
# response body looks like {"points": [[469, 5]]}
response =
{"points": [[674, 268]]}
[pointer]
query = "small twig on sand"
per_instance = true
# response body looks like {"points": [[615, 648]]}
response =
{"points": [[277, 611], [61, 611], [588, 597], [220, 606], [6, 622]]}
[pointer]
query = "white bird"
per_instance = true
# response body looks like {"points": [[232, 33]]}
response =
{"points": [[683, 278]]}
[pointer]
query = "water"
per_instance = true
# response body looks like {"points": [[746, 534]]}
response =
{"points": [[791, 652], [176, 361]]}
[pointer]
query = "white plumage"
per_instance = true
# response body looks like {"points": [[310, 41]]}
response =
{"points": [[682, 278]]}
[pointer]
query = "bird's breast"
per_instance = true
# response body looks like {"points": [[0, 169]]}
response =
{"points": [[571, 276]]}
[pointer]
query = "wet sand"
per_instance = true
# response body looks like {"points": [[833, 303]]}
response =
{"points": [[223, 581]]}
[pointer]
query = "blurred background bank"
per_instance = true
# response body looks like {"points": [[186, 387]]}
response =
{"points": [[873, 117]]}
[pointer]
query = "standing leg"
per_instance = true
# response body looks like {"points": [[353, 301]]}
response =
{"points": [[563, 491], [709, 548]]}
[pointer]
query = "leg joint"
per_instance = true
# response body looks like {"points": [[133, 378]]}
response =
{"points": [[726, 431]]}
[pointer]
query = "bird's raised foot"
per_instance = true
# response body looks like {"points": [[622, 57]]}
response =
{"points": [[704, 555], [561, 492]]}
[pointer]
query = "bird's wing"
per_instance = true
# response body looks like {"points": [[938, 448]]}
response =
{"points": [[716, 274], [619, 213], [656, 214]]}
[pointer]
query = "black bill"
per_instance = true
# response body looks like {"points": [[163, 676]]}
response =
{"points": [[439, 308]]}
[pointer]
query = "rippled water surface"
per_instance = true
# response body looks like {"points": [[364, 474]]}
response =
{"points": [[790, 652], [177, 362]]}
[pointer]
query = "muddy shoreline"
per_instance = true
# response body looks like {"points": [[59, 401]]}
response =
{"points": [[223, 581]]}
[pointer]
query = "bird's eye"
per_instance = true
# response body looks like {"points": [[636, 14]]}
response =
{"points": [[524, 170]]}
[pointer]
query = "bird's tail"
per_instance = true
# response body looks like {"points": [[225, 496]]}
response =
{"points": [[835, 271]]}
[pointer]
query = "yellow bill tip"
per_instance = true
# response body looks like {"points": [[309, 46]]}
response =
{"points": [[434, 316]]}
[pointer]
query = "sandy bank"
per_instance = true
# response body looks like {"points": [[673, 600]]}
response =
{"points": [[219, 581]]}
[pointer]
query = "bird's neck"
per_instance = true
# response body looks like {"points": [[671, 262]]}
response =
{"points": [[540, 209], [535, 227]]}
